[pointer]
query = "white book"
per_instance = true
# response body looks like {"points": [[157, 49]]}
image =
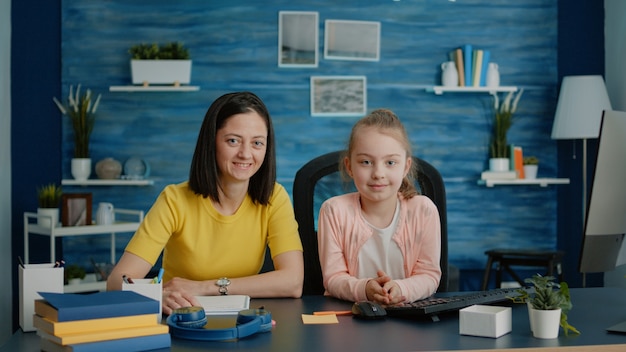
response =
{"points": [[224, 305], [498, 175]]}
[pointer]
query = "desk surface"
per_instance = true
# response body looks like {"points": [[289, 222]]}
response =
{"points": [[594, 310]]}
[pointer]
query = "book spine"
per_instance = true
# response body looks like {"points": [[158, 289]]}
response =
{"points": [[467, 62], [485, 66], [519, 162], [132, 344], [105, 335], [478, 65], [511, 157], [460, 66], [90, 325]]}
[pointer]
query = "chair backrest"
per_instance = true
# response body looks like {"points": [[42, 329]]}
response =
{"points": [[319, 179]]}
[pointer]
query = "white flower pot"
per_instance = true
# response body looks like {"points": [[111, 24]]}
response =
{"points": [[499, 164], [161, 71], [47, 217], [81, 168], [530, 171], [545, 323]]}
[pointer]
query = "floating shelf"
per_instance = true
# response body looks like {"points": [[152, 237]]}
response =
{"points": [[543, 182], [153, 88], [116, 182], [439, 90]]}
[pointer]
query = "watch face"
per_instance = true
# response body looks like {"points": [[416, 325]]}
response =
{"points": [[223, 282]]}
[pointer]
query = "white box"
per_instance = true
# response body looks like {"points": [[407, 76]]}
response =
{"points": [[35, 278], [486, 321], [146, 288]]}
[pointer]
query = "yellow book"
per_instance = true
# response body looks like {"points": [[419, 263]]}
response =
{"points": [[90, 325], [477, 67], [75, 338]]}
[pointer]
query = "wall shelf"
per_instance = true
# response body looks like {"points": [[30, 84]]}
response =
{"points": [[153, 88], [101, 182], [543, 182], [439, 90]]}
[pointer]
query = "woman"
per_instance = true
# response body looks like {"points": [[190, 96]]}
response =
{"points": [[214, 229]]}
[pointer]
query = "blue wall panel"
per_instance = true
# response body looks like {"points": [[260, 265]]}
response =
{"points": [[233, 47]]}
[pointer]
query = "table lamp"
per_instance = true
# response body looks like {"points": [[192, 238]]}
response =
{"points": [[578, 115]]}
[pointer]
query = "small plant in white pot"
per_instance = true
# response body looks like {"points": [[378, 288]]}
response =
{"points": [[502, 120], [166, 64], [48, 197], [81, 110], [531, 166], [548, 306]]}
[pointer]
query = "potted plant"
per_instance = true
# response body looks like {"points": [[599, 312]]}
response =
{"points": [[548, 306], [531, 165], [49, 197], [82, 112], [500, 125], [165, 64], [74, 273]]}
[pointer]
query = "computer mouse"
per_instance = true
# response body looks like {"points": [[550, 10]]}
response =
{"points": [[368, 310]]}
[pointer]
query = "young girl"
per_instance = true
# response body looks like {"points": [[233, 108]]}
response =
{"points": [[381, 243], [214, 228]]}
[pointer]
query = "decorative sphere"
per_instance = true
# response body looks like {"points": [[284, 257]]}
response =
{"points": [[108, 169], [136, 169]]}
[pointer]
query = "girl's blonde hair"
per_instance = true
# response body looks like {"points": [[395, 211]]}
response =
{"points": [[386, 122]]}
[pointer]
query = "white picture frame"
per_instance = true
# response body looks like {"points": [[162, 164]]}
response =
{"points": [[338, 95], [298, 43], [352, 40]]}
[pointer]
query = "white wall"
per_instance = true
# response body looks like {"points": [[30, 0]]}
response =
{"points": [[615, 76], [5, 170]]}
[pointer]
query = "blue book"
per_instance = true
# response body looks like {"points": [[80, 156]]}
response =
{"points": [[468, 54], [131, 344], [108, 304], [483, 73]]}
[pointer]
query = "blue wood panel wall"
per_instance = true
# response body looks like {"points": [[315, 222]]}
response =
{"points": [[234, 47]]}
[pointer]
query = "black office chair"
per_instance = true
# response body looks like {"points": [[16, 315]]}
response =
{"points": [[319, 179]]}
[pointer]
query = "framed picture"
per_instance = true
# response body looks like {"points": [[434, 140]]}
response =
{"points": [[338, 95], [297, 39], [352, 40], [76, 209]]}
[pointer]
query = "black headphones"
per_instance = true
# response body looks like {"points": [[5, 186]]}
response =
{"points": [[188, 323]]}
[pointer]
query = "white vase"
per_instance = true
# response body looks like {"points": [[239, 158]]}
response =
{"points": [[47, 217], [545, 323], [499, 164], [530, 171], [160, 71], [493, 75], [449, 74], [81, 168]]}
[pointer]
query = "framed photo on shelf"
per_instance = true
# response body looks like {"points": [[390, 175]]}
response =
{"points": [[297, 39], [76, 209], [338, 95], [352, 40]]}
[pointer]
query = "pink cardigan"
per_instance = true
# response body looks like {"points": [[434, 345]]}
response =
{"points": [[342, 231]]}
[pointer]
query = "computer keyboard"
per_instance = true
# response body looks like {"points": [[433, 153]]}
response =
{"points": [[434, 305]]}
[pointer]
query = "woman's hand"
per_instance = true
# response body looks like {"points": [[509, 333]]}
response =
{"points": [[179, 292]]}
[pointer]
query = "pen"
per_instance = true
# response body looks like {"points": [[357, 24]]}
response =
{"points": [[20, 261], [335, 312], [159, 277], [127, 279], [59, 264]]}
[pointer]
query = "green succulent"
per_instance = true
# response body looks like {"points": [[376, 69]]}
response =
{"points": [[168, 51], [49, 196]]}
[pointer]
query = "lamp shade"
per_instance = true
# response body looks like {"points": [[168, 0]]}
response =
{"points": [[579, 109]]}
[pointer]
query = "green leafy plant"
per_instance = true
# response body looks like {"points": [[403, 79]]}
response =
{"points": [[531, 160], [74, 271], [501, 123], [168, 51], [49, 196], [548, 295], [82, 112]]}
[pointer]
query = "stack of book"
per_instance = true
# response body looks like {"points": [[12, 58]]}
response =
{"points": [[471, 64], [104, 321]]}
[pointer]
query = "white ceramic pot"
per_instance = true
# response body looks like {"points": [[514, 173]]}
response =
{"points": [[530, 171], [81, 168], [499, 164], [160, 71], [47, 217], [493, 75], [105, 214], [449, 74], [545, 323]]}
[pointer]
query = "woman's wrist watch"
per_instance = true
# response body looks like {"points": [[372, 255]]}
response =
{"points": [[222, 283]]}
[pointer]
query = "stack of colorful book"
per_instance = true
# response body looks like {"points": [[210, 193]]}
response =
{"points": [[471, 64], [104, 321]]}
